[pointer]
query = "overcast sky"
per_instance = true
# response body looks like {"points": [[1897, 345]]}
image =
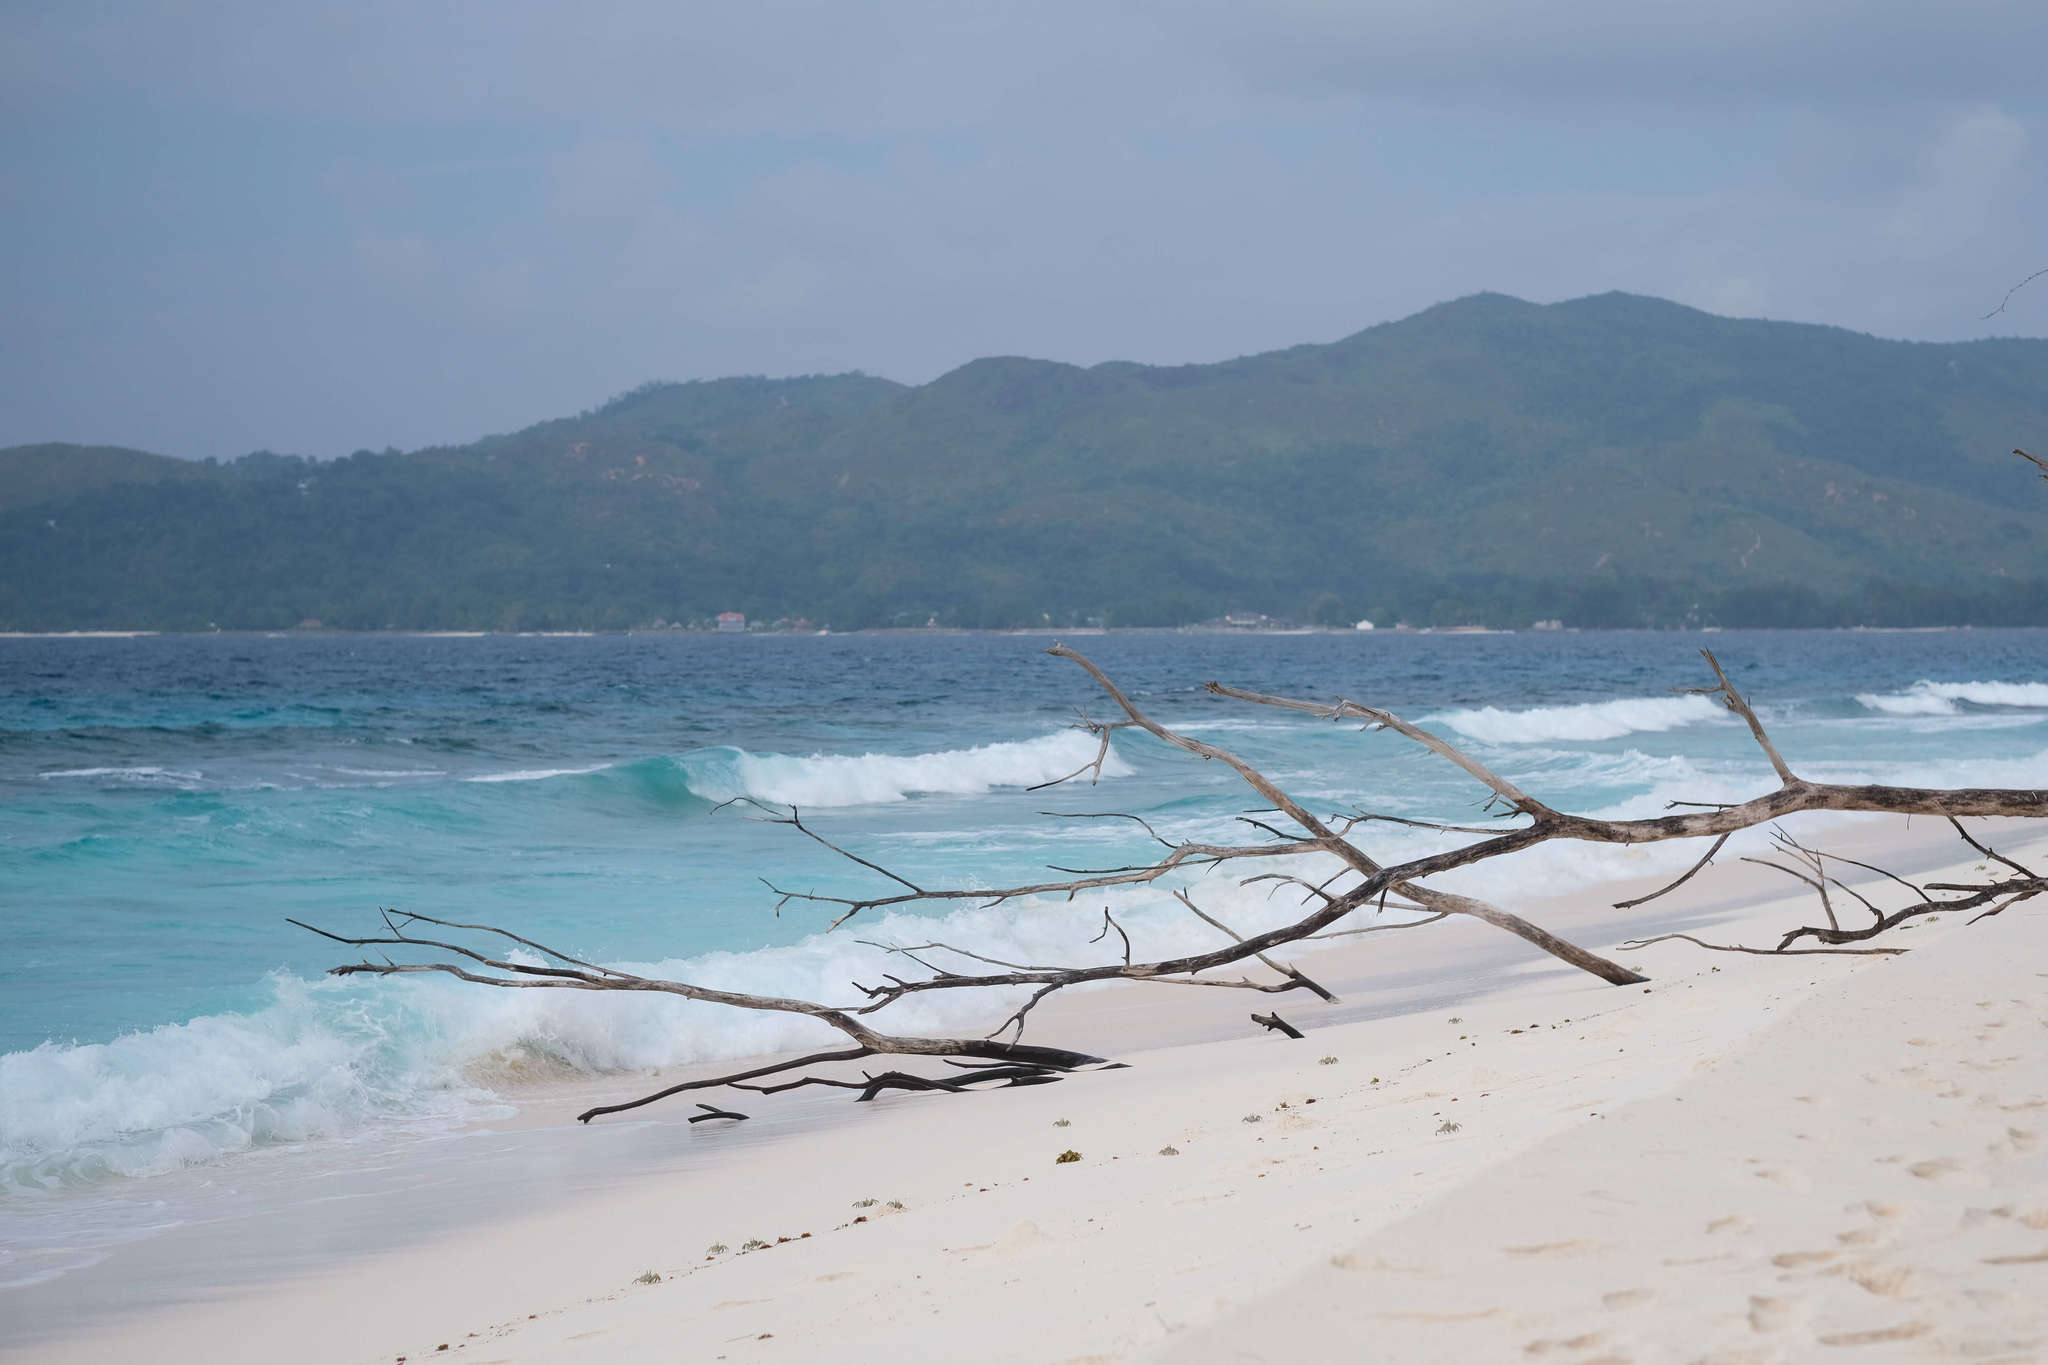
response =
{"points": [[329, 224]]}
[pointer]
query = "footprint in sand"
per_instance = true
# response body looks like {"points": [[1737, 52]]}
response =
{"points": [[1023, 1237], [1768, 1315], [1627, 1298], [1972, 1217], [1734, 1222], [1904, 1331], [1887, 1282], [1344, 1260], [1545, 1345], [1941, 1168], [1573, 1247]]}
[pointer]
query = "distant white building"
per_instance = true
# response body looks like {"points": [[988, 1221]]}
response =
{"points": [[1363, 625], [732, 620]]}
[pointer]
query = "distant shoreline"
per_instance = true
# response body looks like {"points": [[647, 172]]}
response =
{"points": [[1046, 633]]}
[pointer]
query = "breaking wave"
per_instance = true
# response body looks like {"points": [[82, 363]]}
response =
{"points": [[702, 775], [869, 779], [135, 776], [327, 1058], [1586, 721], [330, 1058], [1947, 699]]}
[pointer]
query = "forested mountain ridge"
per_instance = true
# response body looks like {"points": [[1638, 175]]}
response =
{"points": [[1612, 460]]}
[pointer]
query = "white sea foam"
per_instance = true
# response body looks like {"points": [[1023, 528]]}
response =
{"points": [[536, 774], [329, 1058], [1927, 698], [1585, 721], [135, 774], [868, 779]]}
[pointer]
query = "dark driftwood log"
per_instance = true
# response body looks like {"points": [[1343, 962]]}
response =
{"points": [[1274, 1022], [713, 1113]]}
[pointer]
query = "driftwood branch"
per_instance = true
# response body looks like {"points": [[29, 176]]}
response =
{"points": [[714, 1112], [1997, 893], [1295, 836], [1690, 873], [1760, 952]]}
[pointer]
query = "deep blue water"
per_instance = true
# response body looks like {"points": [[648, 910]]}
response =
{"points": [[166, 803]]}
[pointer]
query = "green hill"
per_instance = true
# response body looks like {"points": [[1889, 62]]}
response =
{"points": [[43, 473], [1611, 460]]}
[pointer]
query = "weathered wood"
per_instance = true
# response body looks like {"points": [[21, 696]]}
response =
{"points": [[1362, 884], [1273, 1023], [713, 1112]]}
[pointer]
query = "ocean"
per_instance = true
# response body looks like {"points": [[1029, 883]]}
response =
{"points": [[166, 803]]}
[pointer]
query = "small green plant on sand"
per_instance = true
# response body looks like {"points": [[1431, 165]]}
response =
{"points": [[1326, 1061], [1064, 1157], [717, 1249], [1060, 1123], [896, 1204], [1169, 1151], [1253, 1118], [863, 1203], [1449, 1127], [648, 1277], [753, 1244]]}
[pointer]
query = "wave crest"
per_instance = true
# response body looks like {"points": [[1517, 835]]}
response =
{"points": [[873, 779], [1586, 721], [1926, 698]]}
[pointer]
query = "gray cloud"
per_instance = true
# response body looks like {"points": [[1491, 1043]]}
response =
{"points": [[1812, 52], [318, 227]]}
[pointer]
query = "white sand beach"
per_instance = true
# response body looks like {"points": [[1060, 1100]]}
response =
{"points": [[1478, 1155]]}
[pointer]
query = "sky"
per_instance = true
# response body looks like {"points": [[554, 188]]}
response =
{"points": [[322, 226]]}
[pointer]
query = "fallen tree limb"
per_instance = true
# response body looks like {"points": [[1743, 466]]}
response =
{"points": [[1291, 832], [1273, 1023]]}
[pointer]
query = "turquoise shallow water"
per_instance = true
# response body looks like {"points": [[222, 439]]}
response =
{"points": [[166, 803]]}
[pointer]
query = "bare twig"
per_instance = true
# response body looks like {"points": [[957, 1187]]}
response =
{"points": [[2010, 292], [1733, 700], [1109, 924], [1689, 875], [1760, 952], [1102, 731]]}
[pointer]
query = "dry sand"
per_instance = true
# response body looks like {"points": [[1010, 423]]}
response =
{"points": [[1748, 1160]]}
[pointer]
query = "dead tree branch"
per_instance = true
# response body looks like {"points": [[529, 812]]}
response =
{"points": [[1998, 893], [414, 943]]}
